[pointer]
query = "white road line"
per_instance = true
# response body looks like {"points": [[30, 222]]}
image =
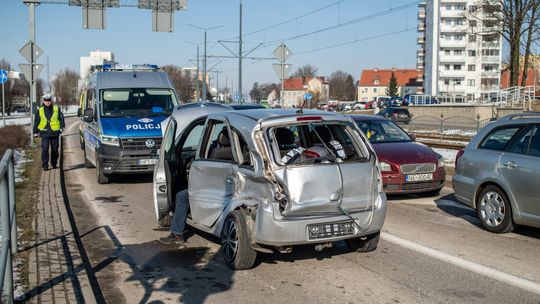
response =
{"points": [[468, 265]]}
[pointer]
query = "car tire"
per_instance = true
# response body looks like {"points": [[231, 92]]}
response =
{"points": [[235, 242], [101, 177], [365, 243], [494, 211], [432, 193], [87, 163]]}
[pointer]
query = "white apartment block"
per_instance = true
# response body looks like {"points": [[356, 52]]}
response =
{"points": [[96, 57], [460, 49]]}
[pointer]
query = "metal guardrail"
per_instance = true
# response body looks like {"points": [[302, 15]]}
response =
{"points": [[8, 224], [448, 123]]}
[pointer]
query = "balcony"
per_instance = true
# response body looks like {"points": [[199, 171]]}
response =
{"points": [[422, 14], [421, 27], [452, 74], [491, 74], [420, 53], [453, 28], [452, 14], [454, 43], [491, 59], [421, 40], [420, 65], [452, 58]]}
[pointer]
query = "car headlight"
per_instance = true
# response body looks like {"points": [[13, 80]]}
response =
{"points": [[385, 167], [441, 162], [109, 140]]}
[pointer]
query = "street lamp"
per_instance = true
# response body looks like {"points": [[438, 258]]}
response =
{"points": [[205, 29], [197, 75]]}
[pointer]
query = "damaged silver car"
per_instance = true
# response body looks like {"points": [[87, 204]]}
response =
{"points": [[266, 180]]}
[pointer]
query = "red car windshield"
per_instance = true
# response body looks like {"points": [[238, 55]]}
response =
{"points": [[383, 131]]}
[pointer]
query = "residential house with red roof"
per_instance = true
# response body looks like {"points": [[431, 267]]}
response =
{"points": [[294, 89], [374, 83]]}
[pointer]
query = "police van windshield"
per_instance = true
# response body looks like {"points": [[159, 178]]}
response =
{"points": [[137, 102]]}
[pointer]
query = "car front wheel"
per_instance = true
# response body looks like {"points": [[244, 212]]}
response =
{"points": [[493, 209], [235, 243], [365, 243]]}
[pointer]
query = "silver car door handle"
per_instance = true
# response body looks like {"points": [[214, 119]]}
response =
{"points": [[510, 165], [230, 180]]}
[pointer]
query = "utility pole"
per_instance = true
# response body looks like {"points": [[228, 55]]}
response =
{"points": [[240, 57], [48, 76], [197, 77]]}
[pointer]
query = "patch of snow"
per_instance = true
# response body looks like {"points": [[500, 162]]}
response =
{"points": [[20, 161], [448, 155]]}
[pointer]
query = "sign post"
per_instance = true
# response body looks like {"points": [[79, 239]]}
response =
{"points": [[3, 79], [282, 53]]}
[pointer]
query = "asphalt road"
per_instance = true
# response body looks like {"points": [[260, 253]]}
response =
{"points": [[432, 251]]}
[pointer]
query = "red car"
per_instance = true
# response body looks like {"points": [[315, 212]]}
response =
{"points": [[407, 166]]}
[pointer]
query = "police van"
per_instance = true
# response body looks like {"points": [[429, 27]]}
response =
{"points": [[122, 107]]}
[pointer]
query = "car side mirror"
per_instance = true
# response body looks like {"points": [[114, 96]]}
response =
{"points": [[88, 115], [79, 112], [412, 136]]}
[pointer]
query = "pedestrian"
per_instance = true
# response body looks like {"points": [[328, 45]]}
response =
{"points": [[48, 124], [178, 223]]}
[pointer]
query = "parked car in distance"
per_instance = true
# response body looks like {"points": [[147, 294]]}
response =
{"points": [[360, 105], [498, 173], [277, 178], [398, 115], [381, 100], [407, 166]]}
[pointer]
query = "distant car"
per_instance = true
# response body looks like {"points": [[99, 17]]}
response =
{"points": [[20, 109], [399, 115], [407, 166], [370, 105], [381, 100], [360, 105], [498, 173]]}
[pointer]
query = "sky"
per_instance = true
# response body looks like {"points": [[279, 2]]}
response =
{"points": [[347, 35]]}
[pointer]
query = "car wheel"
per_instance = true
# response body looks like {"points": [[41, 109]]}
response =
{"points": [[494, 210], [365, 243], [237, 251], [101, 177], [87, 163], [433, 193]]}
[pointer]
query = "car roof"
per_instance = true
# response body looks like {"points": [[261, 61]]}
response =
{"points": [[260, 114], [366, 117], [130, 79], [245, 106]]}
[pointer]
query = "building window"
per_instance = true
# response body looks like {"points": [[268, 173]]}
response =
{"points": [[472, 38], [447, 82], [472, 53], [458, 22], [488, 68], [447, 37], [460, 7], [448, 7], [471, 82], [447, 52], [459, 37], [374, 90], [375, 81], [472, 23], [457, 81], [473, 8], [448, 22], [446, 67], [471, 67], [458, 52], [457, 67], [490, 52]]}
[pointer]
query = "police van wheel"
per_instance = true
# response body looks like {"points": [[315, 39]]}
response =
{"points": [[101, 177], [87, 163]]}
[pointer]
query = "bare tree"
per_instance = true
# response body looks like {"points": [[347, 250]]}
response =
{"points": [[531, 24], [341, 86], [65, 87], [183, 82], [306, 71]]}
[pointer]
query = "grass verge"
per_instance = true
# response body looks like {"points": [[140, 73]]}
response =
{"points": [[27, 195]]}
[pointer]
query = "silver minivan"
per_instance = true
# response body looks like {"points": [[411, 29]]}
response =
{"points": [[498, 173], [266, 180]]}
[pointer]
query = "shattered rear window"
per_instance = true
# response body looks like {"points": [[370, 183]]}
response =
{"points": [[311, 143]]}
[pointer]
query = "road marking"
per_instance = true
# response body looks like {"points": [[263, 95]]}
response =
{"points": [[465, 264]]}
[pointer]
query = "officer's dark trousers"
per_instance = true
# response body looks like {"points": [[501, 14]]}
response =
{"points": [[51, 142]]}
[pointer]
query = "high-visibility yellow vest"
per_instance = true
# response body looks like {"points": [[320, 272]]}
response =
{"points": [[55, 122]]}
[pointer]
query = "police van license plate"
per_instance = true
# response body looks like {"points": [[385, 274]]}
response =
{"points": [[419, 177], [146, 162]]}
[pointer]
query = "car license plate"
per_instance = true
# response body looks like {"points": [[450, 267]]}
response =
{"points": [[321, 231], [146, 162], [419, 177]]}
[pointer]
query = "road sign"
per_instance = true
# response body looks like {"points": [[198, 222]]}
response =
{"points": [[26, 69], [308, 96], [26, 51], [286, 68], [3, 76], [282, 52]]}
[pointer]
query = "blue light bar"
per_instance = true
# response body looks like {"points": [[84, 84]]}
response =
{"points": [[129, 67]]}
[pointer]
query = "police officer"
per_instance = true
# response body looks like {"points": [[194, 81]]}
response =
{"points": [[48, 124]]}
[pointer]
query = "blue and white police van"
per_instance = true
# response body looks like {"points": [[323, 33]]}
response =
{"points": [[122, 107]]}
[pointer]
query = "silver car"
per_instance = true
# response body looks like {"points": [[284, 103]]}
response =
{"points": [[266, 180], [498, 173]]}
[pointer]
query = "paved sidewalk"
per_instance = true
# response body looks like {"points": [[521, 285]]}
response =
{"points": [[56, 272]]}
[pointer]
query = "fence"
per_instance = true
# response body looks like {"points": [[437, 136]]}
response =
{"points": [[8, 224], [447, 125]]}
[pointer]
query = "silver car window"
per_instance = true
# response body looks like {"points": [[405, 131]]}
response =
{"points": [[520, 144], [534, 147], [499, 138]]}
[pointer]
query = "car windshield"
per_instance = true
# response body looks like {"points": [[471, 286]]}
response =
{"points": [[383, 131], [137, 102], [314, 143]]}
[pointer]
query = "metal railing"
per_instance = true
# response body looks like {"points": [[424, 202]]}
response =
{"points": [[8, 224], [451, 124]]}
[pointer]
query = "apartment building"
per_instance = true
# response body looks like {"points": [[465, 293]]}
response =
{"points": [[460, 49]]}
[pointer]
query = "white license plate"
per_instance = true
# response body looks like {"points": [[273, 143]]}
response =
{"points": [[146, 162], [419, 177]]}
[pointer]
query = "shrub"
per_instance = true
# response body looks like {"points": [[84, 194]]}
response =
{"points": [[13, 137]]}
